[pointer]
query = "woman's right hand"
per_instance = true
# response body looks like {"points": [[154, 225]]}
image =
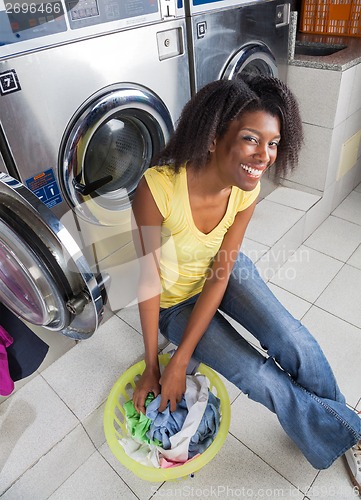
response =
{"points": [[148, 382]]}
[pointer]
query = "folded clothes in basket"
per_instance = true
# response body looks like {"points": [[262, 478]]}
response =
{"points": [[184, 433]]}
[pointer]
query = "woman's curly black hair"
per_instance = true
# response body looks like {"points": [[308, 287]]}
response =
{"points": [[208, 114]]}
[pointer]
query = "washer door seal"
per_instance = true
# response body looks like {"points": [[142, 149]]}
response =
{"points": [[106, 148], [44, 277], [253, 58]]}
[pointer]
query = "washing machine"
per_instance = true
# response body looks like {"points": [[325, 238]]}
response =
{"points": [[228, 37], [90, 92]]}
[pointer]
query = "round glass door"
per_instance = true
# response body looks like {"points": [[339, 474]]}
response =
{"points": [[252, 58], [108, 146], [25, 287], [44, 277], [119, 151]]}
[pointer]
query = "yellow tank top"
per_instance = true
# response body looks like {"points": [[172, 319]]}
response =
{"points": [[186, 252]]}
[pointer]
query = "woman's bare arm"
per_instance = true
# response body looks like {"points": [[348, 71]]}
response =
{"points": [[147, 222]]}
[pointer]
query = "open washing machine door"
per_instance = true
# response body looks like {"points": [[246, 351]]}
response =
{"points": [[44, 277], [106, 148], [252, 58]]}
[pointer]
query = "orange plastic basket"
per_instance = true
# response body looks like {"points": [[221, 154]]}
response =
{"points": [[331, 17]]}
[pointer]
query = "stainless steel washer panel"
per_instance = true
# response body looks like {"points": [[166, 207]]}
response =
{"points": [[196, 6], [27, 27]]}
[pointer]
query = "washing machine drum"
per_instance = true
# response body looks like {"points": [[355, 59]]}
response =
{"points": [[44, 278], [106, 148], [119, 151]]}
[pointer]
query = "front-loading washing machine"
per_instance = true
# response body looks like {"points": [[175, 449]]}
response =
{"points": [[228, 37], [90, 91]]}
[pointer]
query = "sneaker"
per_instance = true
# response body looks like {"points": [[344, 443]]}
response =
{"points": [[353, 464]]}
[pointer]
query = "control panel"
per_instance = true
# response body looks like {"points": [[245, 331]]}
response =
{"points": [[202, 6], [27, 25]]}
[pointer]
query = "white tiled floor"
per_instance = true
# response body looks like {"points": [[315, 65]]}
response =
{"points": [[52, 443]]}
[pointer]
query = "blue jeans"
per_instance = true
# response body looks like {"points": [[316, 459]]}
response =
{"points": [[293, 380]]}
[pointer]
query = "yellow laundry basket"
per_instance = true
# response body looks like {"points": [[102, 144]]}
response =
{"points": [[115, 424]]}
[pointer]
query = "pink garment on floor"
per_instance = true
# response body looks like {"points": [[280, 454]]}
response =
{"points": [[6, 383]]}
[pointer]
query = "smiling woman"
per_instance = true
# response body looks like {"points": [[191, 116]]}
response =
{"points": [[191, 211], [248, 148]]}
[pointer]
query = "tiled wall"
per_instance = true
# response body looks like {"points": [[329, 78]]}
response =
{"points": [[330, 104]]}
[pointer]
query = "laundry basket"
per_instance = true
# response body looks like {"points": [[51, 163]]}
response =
{"points": [[115, 425]]}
